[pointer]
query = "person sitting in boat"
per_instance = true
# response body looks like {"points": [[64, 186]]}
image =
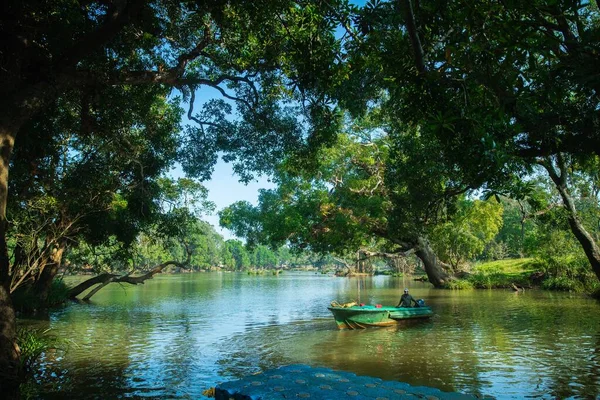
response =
{"points": [[406, 300]]}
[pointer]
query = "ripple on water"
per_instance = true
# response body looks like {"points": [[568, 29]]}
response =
{"points": [[176, 336]]}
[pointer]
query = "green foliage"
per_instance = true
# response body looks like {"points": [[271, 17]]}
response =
{"points": [[227, 259], [26, 300], [563, 283], [503, 273], [494, 280], [59, 293], [33, 343], [472, 227], [496, 251], [482, 102], [366, 196], [568, 272], [263, 257], [95, 101], [459, 284], [109, 256], [341, 208], [239, 254]]}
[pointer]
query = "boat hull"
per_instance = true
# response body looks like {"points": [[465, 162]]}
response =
{"points": [[358, 317]]}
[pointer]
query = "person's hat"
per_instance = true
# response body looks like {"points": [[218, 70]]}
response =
{"points": [[406, 290]]}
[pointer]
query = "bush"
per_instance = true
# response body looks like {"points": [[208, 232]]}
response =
{"points": [[569, 273], [502, 274], [459, 284], [562, 283], [484, 280], [496, 251], [59, 293], [33, 343], [25, 299], [568, 284]]}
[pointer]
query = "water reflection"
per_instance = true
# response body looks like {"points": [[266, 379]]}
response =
{"points": [[178, 335]]}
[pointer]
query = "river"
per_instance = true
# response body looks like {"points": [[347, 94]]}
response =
{"points": [[177, 335]]}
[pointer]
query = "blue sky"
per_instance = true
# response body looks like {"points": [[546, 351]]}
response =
{"points": [[224, 187]]}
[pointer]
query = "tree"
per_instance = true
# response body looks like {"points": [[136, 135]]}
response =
{"points": [[180, 204], [263, 257], [503, 87], [239, 254], [207, 246], [463, 238], [348, 206], [77, 52], [52, 209]]}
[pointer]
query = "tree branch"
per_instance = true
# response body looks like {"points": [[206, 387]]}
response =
{"points": [[107, 278], [411, 27], [391, 256], [117, 19], [185, 58]]}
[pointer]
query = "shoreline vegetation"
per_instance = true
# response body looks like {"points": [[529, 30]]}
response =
{"points": [[516, 274]]}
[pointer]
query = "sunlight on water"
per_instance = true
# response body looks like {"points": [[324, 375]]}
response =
{"points": [[178, 335]]}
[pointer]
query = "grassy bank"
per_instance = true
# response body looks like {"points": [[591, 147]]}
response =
{"points": [[522, 272], [526, 273]]}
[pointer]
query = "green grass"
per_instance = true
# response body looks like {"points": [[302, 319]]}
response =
{"points": [[517, 266], [498, 274]]}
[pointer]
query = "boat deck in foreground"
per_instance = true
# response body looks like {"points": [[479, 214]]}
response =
{"points": [[302, 381]]}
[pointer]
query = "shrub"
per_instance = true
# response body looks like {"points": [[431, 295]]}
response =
{"points": [[570, 273], [33, 342], [58, 294], [578, 284], [25, 300], [562, 283], [459, 284]]}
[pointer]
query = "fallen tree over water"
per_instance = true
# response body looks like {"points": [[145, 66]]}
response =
{"points": [[102, 280]]}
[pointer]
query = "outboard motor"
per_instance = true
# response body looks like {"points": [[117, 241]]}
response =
{"points": [[420, 303]]}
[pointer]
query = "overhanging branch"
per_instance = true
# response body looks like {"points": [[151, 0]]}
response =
{"points": [[105, 279], [371, 254], [411, 27], [116, 19]]}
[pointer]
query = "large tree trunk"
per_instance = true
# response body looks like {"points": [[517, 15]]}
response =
{"points": [[433, 267], [591, 249], [13, 114], [9, 351], [49, 271]]}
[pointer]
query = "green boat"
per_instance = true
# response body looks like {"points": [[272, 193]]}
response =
{"points": [[360, 317]]}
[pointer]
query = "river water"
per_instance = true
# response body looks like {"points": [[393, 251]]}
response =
{"points": [[177, 335]]}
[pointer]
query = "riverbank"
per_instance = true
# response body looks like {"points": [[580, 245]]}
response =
{"points": [[523, 273]]}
